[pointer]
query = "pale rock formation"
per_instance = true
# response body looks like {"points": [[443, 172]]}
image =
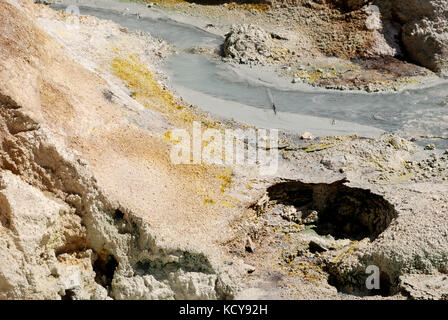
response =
{"points": [[424, 29], [426, 42], [384, 33], [425, 287], [248, 44]]}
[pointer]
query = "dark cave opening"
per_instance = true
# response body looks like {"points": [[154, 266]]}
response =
{"points": [[104, 269], [118, 214], [343, 212]]}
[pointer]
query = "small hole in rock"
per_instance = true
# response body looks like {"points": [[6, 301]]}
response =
{"points": [[118, 214], [105, 269], [341, 211], [315, 247], [385, 286], [69, 295]]}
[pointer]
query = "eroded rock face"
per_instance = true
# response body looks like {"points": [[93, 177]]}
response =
{"points": [[424, 29], [411, 10], [67, 244], [385, 33], [39, 235], [62, 236], [426, 42], [81, 248]]}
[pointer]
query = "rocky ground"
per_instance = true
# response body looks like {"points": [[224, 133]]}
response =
{"points": [[342, 204], [91, 206]]}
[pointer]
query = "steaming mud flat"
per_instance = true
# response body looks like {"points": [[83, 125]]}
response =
{"points": [[240, 93]]}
